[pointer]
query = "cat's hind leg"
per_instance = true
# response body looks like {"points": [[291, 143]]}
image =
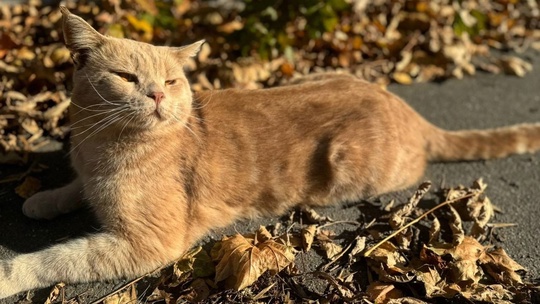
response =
{"points": [[52, 203]]}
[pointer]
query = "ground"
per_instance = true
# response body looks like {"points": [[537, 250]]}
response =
{"points": [[481, 101]]}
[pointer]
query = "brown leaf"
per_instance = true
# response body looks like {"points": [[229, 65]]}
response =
{"points": [[501, 267], [458, 234], [243, 259], [514, 65], [313, 217], [383, 292], [399, 217], [331, 249], [198, 291], [434, 231], [29, 187], [55, 293], [433, 282], [127, 296], [308, 234]]}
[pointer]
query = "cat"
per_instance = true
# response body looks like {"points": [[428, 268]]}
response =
{"points": [[160, 166]]}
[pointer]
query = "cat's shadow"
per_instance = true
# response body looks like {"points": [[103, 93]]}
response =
{"points": [[21, 234]]}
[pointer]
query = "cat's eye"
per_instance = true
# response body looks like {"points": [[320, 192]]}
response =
{"points": [[127, 77], [170, 82]]}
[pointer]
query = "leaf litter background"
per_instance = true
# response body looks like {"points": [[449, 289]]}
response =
{"points": [[251, 44]]}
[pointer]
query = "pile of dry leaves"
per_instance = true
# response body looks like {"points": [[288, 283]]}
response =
{"points": [[260, 43], [410, 257]]}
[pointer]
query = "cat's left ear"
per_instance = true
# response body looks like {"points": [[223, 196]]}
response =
{"points": [[79, 36], [188, 51]]}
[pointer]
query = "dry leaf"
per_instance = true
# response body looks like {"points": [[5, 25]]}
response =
{"points": [[514, 65], [398, 218], [501, 267], [55, 293], [313, 217], [198, 291], [331, 249], [29, 187], [308, 234], [433, 282], [434, 231], [458, 234], [243, 259], [126, 296], [403, 78], [382, 292]]}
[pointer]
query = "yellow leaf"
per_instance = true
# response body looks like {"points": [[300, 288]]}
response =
{"points": [[115, 30], [142, 26], [402, 78]]}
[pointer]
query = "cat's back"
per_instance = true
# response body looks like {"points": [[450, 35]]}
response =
{"points": [[311, 98]]}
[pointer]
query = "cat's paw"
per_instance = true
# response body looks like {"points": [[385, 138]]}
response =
{"points": [[42, 205], [52, 203]]}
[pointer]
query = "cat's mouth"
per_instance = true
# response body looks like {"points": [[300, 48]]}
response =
{"points": [[157, 114]]}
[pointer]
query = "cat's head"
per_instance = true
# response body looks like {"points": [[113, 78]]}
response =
{"points": [[123, 82]]}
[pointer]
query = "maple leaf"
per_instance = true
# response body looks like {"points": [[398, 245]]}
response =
{"points": [[243, 259]]}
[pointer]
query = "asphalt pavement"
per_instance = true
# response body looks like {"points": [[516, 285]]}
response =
{"points": [[482, 101]]}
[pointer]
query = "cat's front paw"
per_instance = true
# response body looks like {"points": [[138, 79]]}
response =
{"points": [[52, 203], [42, 205]]}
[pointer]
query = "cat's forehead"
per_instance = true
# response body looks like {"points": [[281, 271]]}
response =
{"points": [[136, 55]]}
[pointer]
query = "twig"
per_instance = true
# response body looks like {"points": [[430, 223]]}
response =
{"points": [[122, 287], [355, 223], [368, 252]]}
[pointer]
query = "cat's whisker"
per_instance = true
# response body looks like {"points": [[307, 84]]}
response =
{"points": [[204, 103], [185, 124], [103, 120], [133, 115], [88, 108], [117, 117], [93, 87], [91, 106], [101, 113]]}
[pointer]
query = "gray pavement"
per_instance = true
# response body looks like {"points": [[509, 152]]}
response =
{"points": [[475, 102]]}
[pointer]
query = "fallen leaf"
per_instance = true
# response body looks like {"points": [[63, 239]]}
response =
{"points": [[501, 267], [127, 296], [402, 78], [331, 249], [380, 292], [308, 234], [55, 293], [243, 259], [28, 187], [514, 65]]}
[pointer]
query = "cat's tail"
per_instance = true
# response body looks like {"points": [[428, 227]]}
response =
{"points": [[483, 144], [101, 256]]}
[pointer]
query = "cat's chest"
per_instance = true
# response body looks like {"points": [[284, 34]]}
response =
{"points": [[132, 177]]}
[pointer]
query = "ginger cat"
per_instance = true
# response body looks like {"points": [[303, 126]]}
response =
{"points": [[160, 167]]}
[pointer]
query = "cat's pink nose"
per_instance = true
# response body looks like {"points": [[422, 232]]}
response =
{"points": [[157, 96]]}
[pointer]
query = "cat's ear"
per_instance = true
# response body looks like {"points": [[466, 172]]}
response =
{"points": [[188, 51], [79, 36]]}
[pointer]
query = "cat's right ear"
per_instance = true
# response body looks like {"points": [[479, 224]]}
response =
{"points": [[79, 36]]}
